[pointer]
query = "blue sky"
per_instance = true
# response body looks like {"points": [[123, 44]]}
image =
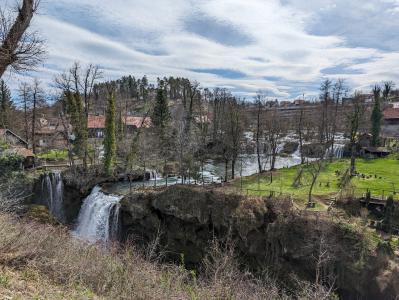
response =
{"points": [[283, 47]]}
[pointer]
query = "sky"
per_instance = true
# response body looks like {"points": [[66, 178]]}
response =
{"points": [[284, 48]]}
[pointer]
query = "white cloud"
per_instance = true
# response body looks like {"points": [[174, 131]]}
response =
{"points": [[118, 35]]}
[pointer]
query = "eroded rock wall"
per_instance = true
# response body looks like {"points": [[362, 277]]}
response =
{"points": [[267, 233]]}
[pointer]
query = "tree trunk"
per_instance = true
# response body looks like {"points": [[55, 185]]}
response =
{"points": [[300, 129], [226, 170], [34, 124], [233, 164], [12, 38], [311, 189], [273, 161], [353, 160], [257, 141], [26, 121]]}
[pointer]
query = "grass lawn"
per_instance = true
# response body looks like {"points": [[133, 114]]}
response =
{"points": [[55, 155], [379, 175]]}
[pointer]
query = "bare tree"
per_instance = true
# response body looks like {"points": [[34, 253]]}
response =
{"points": [[388, 87], [36, 94], [338, 91], [354, 117], [274, 131], [202, 129], [20, 49], [24, 96], [235, 130], [191, 92], [314, 170], [300, 132], [12, 196], [260, 103], [219, 98], [325, 95], [81, 82]]}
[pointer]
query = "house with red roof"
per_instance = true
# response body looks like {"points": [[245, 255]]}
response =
{"points": [[96, 124], [390, 128]]}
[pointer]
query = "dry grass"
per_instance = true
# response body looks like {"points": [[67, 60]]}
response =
{"points": [[65, 268]]}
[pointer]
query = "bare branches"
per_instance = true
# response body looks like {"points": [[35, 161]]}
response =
{"points": [[20, 49]]}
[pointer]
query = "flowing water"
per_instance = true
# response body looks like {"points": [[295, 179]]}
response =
{"points": [[52, 194], [98, 218], [336, 152]]}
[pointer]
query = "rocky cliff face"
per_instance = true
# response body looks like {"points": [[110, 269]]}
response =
{"points": [[266, 233]]}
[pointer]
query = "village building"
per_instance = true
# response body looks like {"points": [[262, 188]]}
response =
{"points": [[96, 125], [134, 123], [15, 145], [299, 102], [12, 139], [390, 128], [51, 134]]}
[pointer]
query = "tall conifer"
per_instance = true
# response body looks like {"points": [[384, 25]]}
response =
{"points": [[110, 136]]}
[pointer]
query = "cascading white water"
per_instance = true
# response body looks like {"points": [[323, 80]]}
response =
{"points": [[339, 151], [336, 152], [52, 193], [98, 218]]}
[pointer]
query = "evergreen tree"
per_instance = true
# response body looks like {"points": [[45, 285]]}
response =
{"points": [[74, 108], [144, 87], [161, 114], [5, 105], [388, 214], [376, 117], [110, 136], [161, 119]]}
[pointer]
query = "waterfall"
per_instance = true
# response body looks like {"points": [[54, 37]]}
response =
{"points": [[339, 151], [336, 152], [52, 191], [98, 218]]}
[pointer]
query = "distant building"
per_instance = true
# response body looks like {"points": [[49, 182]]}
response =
{"points": [[52, 134], [285, 103], [133, 123], [12, 139], [390, 128], [17, 146], [395, 105], [204, 119], [299, 102], [96, 125]]}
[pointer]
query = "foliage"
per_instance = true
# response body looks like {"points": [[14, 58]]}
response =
{"points": [[388, 214], [74, 107], [161, 115], [5, 105], [10, 163], [110, 135]]}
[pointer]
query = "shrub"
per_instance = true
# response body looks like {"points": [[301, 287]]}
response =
{"points": [[123, 273], [10, 163]]}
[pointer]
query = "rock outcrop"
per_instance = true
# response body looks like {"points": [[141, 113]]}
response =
{"points": [[267, 233]]}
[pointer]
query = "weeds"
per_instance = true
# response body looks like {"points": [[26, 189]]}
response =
{"points": [[94, 271]]}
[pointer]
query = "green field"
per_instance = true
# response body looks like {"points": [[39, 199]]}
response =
{"points": [[380, 176], [54, 155]]}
